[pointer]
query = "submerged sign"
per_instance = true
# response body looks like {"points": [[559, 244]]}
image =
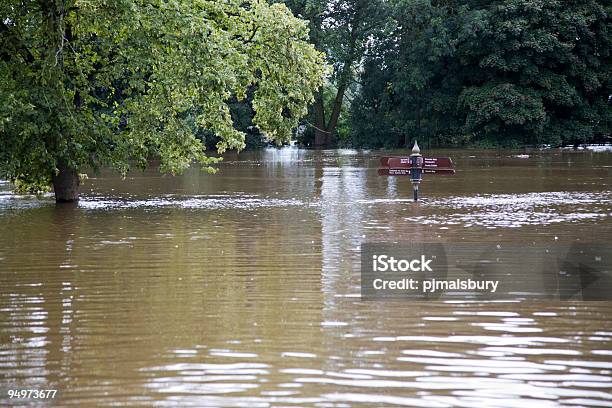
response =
{"points": [[486, 272], [415, 166]]}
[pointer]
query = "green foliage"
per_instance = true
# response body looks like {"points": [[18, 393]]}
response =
{"points": [[242, 115], [503, 108], [538, 72], [95, 83], [407, 89], [342, 30], [505, 73], [34, 187]]}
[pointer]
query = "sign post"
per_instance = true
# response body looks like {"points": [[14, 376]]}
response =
{"points": [[415, 166], [416, 160]]}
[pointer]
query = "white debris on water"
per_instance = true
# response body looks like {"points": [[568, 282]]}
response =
{"points": [[591, 147], [517, 210], [347, 152], [8, 200], [599, 148], [528, 200], [196, 202]]}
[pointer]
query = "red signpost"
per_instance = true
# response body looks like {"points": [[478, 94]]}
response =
{"points": [[414, 166]]}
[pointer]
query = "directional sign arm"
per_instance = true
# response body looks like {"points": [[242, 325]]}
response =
{"points": [[440, 171], [393, 172], [386, 171]]}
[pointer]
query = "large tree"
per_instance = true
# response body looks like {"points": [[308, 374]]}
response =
{"points": [[85, 84], [538, 72], [503, 72]]}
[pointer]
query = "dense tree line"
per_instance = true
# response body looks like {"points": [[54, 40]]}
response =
{"points": [[451, 72], [86, 84]]}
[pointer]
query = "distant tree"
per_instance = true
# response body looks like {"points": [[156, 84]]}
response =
{"points": [[410, 84], [95, 83], [341, 29], [373, 123]]}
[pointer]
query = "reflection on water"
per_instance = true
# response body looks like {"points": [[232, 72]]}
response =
{"points": [[242, 288]]}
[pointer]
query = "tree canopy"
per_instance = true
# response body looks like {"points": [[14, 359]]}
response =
{"points": [[539, 72], [96, 83], [467, 72]]}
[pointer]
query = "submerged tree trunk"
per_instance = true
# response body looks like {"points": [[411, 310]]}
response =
{"points": [[65, 184], [320, 141]]}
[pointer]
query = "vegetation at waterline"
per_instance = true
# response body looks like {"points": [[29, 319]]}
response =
{"points": [[460, 72], [112, 83]]}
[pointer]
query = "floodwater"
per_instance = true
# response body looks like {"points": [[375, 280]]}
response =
{"points": [[242, 288]]}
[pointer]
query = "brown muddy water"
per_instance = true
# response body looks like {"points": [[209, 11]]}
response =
{"points": [[242, 288]]}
